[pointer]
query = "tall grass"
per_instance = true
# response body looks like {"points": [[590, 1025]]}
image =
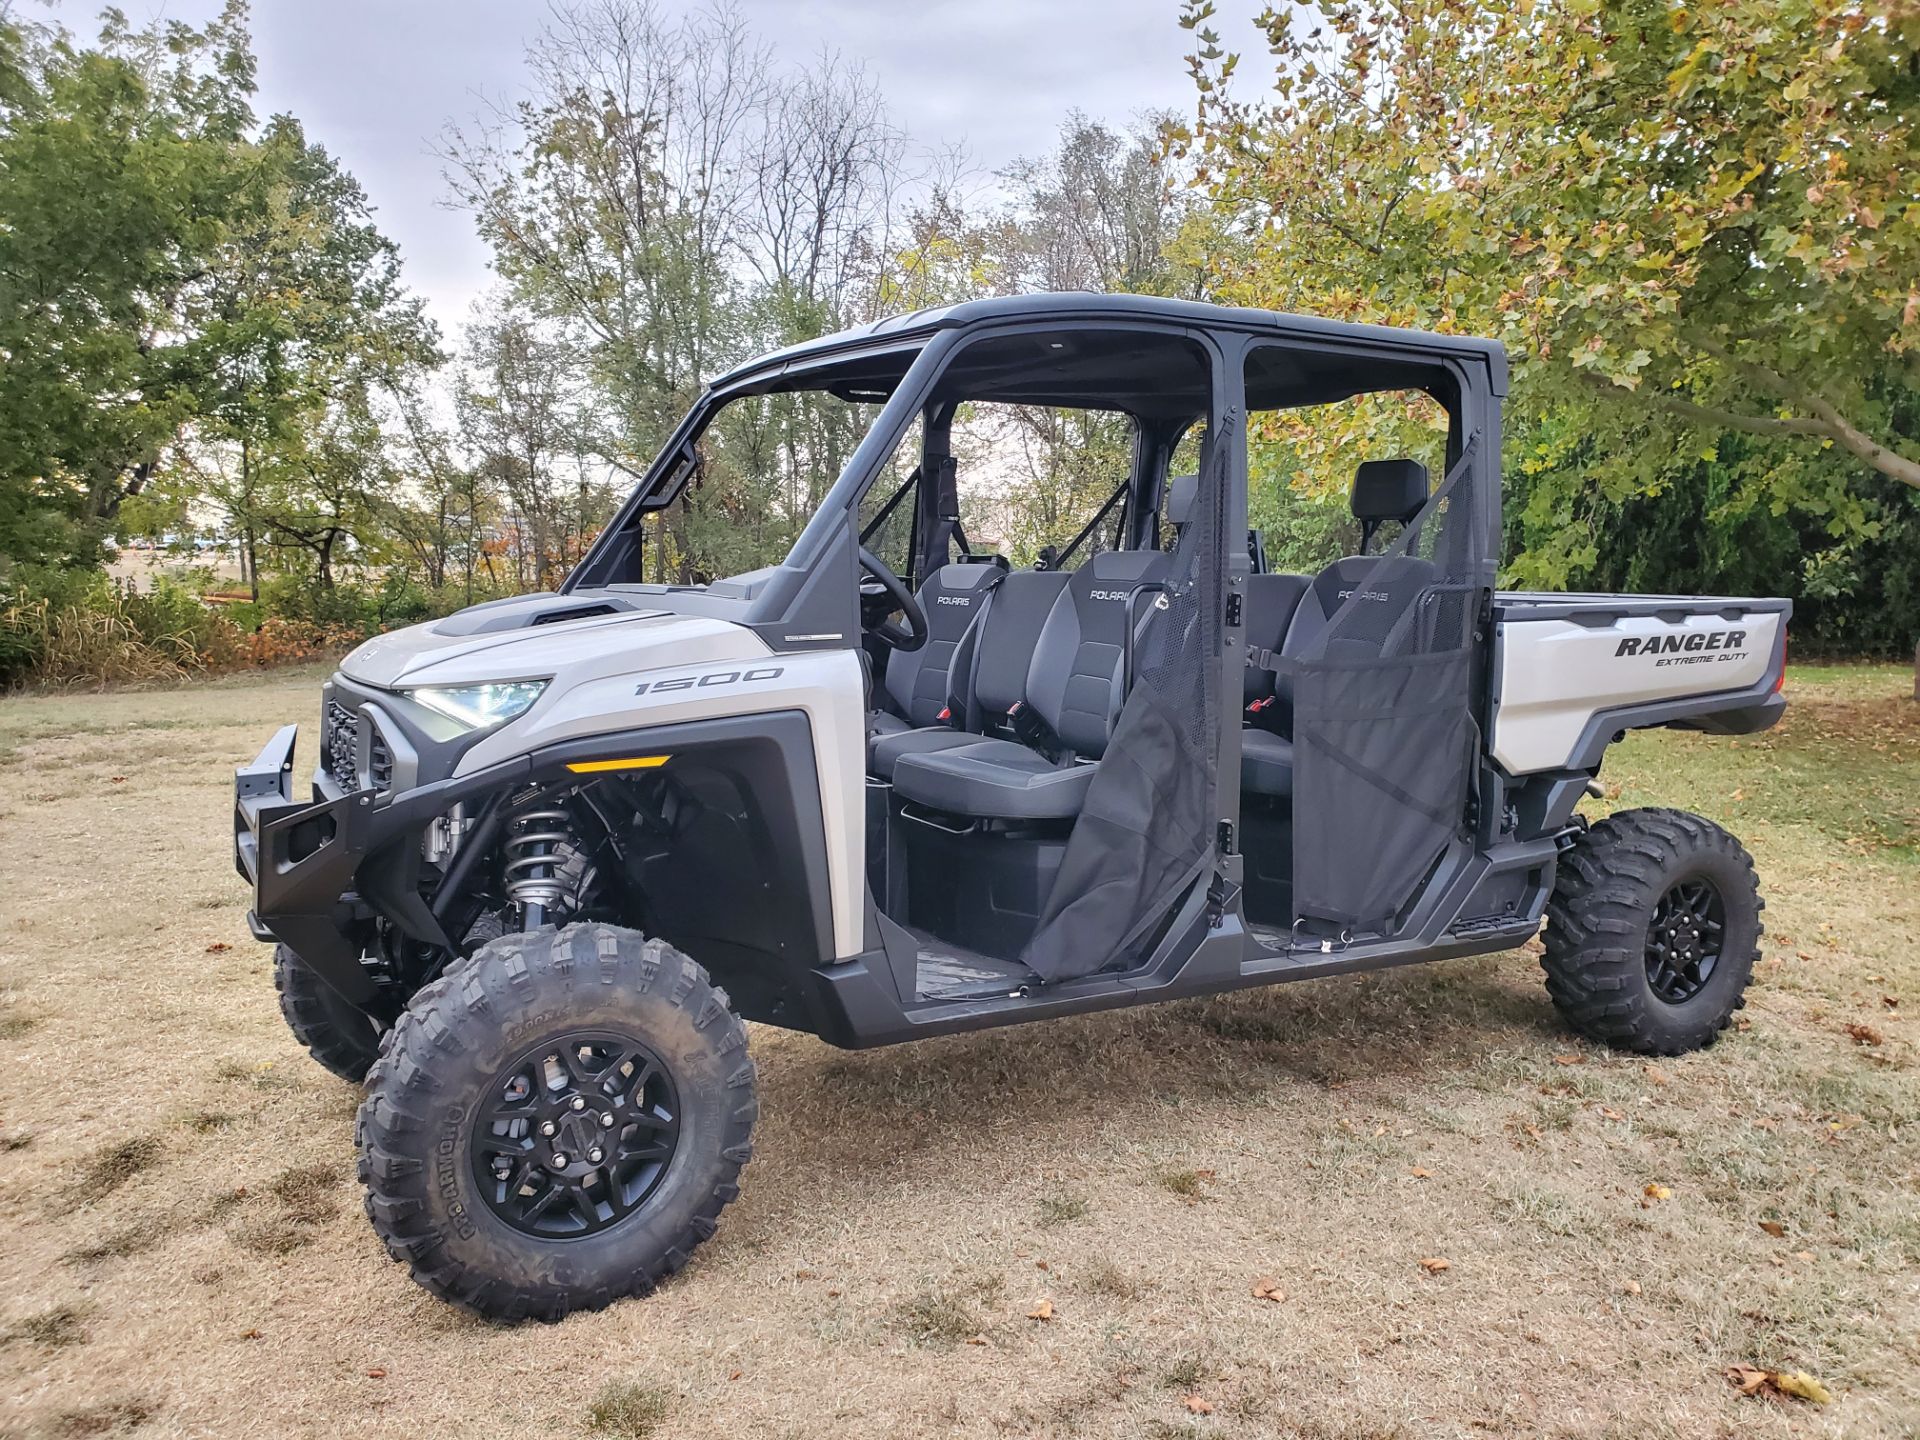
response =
{"points": [[97, 634]]}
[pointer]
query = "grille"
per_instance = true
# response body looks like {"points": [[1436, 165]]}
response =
{"points": [[341, 733], [379, 762]]}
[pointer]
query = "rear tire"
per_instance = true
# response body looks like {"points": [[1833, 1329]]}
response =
{"points": [[1653, 931], [558, 1123], [337, 1033]]}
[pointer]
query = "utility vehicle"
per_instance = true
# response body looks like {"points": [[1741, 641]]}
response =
{"points": [[558, 848]]}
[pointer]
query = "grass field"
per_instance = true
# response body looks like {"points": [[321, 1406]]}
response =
{"points": [[185, 1253]]}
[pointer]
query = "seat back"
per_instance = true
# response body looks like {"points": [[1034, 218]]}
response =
{"points": [[918, 681], [1074, 682], [1388, 585], [1271, 603], [990, 668]]}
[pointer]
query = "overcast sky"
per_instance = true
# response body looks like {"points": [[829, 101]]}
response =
{"points": [[376, 80]]}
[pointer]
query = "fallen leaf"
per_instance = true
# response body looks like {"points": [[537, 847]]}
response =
{"points": [[378, 1372], [119, 779], [1892, 1002], [833, 1294], [218, 947], [1533, 1130], [1198, 1406], [976, 1339], [250, 1335], [1802, 955], [1433, 1264], [1632, 1287], [1799, 1382], [736, 1375], [1803, 1254], [1040, 1265], [1865, 1035], [1420, 1172], [1042, 1311], [1750, 1380], [1657, 1192], [1267, 1288], [1611, 1113], [1569, 1059], [1774, 1228]]}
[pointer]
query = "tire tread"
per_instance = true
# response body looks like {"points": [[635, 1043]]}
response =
{"points": [[403, 1078], [1606, 888]]}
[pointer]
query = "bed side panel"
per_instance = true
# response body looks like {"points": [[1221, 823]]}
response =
{"points": [[1562, 673]]}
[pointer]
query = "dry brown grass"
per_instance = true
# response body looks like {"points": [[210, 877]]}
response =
{"points": [[186, 1256]]}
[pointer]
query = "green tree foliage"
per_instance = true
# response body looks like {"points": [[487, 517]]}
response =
{"points": [[1695, 227], [116, 173], [188, 300]]}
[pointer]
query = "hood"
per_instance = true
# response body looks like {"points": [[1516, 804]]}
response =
{"points": [[535, 637]]}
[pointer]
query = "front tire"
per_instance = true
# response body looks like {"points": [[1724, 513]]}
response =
{"points": [[558, 1123], [1653, 931], [337, 1033]]}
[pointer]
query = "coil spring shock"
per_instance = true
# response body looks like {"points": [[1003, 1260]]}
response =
{"points": [[532, 874]]}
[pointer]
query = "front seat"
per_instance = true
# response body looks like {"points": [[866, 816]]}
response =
{"points": [[1383, 490], [918, 681], [988, 672], [1074, 687]]}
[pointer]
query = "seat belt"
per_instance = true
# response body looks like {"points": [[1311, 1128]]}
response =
{"points": [[958, 715]]}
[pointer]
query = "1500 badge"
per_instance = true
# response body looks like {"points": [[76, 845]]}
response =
{"points": [[708, 682], [1694, 647]]}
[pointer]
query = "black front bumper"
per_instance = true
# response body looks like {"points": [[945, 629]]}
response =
{"points": [[301, 859]]}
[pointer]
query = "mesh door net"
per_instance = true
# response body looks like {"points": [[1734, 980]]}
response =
{"points": [[1146, 830], [1383, 731]]}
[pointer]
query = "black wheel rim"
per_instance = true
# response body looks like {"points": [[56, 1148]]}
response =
{"points": [[576, 1135], [1684, 939]]}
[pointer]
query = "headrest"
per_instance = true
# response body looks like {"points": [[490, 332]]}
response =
{"points": [[964, 575], [1182, 492], [1389, 490]]}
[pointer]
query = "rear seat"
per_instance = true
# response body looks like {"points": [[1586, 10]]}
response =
{"points": [[1266, 755], [1383, 490], [988, 672]]}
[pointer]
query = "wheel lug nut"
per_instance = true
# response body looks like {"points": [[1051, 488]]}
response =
{"points": [[594, 1157], [547, 1128], [579, 1102], [606, 1119], [559, 1160]]}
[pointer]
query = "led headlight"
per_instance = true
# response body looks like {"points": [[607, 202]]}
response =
{"points": [[478, 707]]}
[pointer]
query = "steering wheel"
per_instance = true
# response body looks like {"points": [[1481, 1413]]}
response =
{"points": [[886, 632]]}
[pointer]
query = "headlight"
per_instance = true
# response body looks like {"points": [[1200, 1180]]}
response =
{"points": [[477, 707]]}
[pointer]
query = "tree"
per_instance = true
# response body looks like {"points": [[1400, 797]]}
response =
{"points": [[184, 294], [116, 173], [522, 414], [669, 202], [1687, 223], [300, 319]]}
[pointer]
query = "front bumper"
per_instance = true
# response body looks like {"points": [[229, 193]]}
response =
{"points": [[301, 859]]}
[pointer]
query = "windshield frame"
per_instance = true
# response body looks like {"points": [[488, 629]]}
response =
{"points": [[665, 479]]}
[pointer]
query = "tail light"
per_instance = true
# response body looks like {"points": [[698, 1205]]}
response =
{"points": [[1780, 680]]}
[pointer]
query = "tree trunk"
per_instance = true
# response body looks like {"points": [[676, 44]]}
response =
{"points": [[1916, 672]]}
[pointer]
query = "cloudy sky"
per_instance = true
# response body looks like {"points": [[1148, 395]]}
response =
{"points": [[376, 80]]}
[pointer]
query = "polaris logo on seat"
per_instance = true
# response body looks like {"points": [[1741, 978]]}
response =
{"points": [[1106, 594], [707, 682], [1694, 647], [1365, 594], [953, 600]]}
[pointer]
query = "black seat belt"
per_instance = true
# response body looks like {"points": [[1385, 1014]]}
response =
{"points": [[1059, 561]]}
